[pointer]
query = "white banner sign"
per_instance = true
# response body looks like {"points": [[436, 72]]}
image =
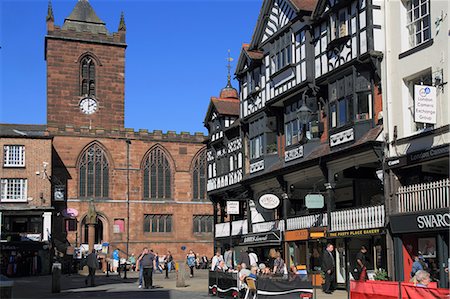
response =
{"points": [[425, 104], [233, 207]]}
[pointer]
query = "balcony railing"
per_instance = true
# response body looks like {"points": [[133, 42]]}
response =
{"points": [[359, 218], [302, 222], [425, 196], [268, 226], [239, 227]]}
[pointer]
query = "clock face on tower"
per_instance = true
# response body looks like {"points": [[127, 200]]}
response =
{"points": [[88, 106]]}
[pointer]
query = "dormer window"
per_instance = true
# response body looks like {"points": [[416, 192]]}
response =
{"points": [[254, 78], [282, 53]]}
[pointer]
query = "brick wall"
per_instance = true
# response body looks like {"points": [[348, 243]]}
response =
{"points": [[37, 151], [63, 80], [68, 148]]}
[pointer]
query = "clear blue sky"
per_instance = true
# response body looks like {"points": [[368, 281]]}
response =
{"points": [[175, 60]]}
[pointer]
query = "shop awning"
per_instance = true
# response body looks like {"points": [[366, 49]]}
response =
{"points": [[266, 238]]}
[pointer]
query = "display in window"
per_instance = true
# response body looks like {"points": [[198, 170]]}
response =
{"points": [[427, 246]]}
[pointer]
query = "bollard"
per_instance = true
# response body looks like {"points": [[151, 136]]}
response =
{"points": [[180, 267], [56, 277]]}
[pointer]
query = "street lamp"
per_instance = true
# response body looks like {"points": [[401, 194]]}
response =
{"points": [[304, 114]]}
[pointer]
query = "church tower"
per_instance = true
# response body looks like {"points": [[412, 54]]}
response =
{"points": [[85, 70]]}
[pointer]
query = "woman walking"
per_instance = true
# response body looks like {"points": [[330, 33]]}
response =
{"points": [[190, 261]]}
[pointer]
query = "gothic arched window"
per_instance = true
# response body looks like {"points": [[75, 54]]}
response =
{"points": [[94, 172], [87, 76], [157, 176], [199, 177]]}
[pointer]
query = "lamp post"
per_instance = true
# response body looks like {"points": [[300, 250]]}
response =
{"points": [[304, 114]]}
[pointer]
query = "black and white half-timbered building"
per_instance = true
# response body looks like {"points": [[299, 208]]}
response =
{"points": [[311, 127]]}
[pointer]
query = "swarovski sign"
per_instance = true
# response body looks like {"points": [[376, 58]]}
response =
{"points": [[433, 221]]}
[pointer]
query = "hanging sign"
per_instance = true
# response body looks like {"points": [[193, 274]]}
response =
{"points": [[425, 104], [70, 212], [233, 207], [269, 201], [314, 201]]}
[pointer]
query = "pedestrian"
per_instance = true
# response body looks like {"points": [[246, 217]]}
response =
{"points": [[253, 257], [115, 258], [132, 261], [421, 279], [328, 267], [278, 264], [92, 263], [157, 268], [244, 258], [190, 261], [140, 268], [148, 263], [205, 262], [416, 266], [216, 260], [361, 261], [169, 260], [228, 257]]}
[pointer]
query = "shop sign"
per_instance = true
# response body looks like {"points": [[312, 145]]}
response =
{"points": [[233, 207], [269, 201], [314, 201], [436, 220], [425, 104], [360, 232], [30, 237], [70, 212], [268, 238], [428, 154], [316, 235], [296, 235]]}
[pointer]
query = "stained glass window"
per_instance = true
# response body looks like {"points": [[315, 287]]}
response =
{"points": [[199, 177], [157, 176], [94, 173]]}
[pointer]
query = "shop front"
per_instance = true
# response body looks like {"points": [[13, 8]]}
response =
{"points": [[305, 247], [347, 244], [260, 243], [424, 233]]}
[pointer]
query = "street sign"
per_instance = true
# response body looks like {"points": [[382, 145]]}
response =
{"points": [[314, 201]]}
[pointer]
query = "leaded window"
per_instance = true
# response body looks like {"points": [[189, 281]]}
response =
{"points": [[418, 21], [158, 223], [13, 190], [94, 173], [87, 76], [199, 177], [157, 176], [13, 155], [203, 224]]}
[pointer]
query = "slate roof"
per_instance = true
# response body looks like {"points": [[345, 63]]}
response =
{"points": [[255, 55], [19, 130], [84, 18]]}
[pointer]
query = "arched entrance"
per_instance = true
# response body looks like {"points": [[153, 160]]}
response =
{"points": [[98, 231]]}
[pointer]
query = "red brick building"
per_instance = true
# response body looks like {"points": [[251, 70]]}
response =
{"points": [[148, 183]]}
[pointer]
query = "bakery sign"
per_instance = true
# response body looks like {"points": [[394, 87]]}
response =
{"points": [[269, 201]]}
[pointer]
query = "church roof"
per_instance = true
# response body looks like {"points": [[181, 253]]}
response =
{"points": [[84, 18]]}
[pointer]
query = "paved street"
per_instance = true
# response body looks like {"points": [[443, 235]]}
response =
{"points": [[116, 287]]}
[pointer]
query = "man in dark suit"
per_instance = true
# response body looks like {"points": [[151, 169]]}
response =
{"points": [[329, 266]]}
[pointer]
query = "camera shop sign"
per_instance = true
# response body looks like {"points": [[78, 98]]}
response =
{"points": [[437, 220], [425, 104]]}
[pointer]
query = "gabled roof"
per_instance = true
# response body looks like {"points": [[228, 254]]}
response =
{"points": [[84, 18], [300, 7], [245, 54], [320, 8], [228, 107]]}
